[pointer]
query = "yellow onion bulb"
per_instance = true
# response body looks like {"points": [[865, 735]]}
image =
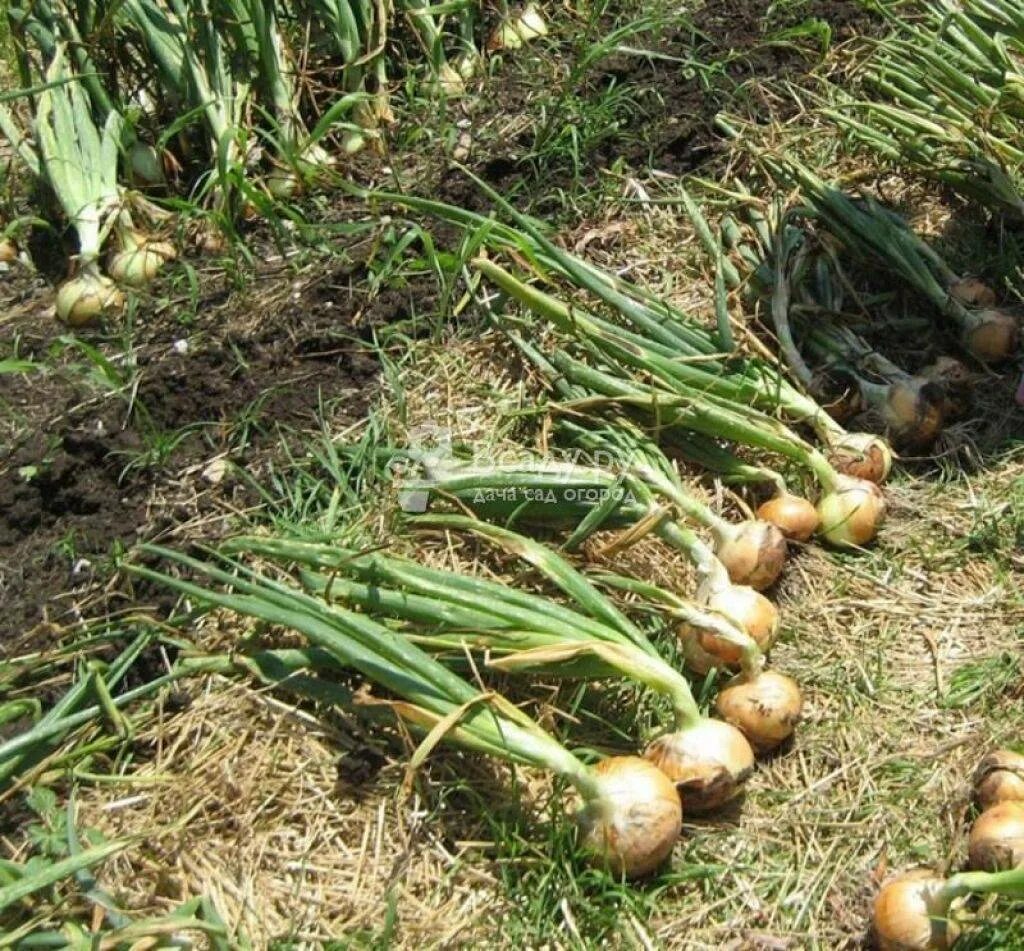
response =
{"points": [[754, 553], [910, 914], [633, 823], [8, 251], [505, 36], [852, 513], [862, 456], [750, 611], [282, 183], [971, 292], [992, 335], [996, 842], [139, 260], [793, 515], [914, 412], [708, 762], [999, 778], [765, 707], [87, 297]]}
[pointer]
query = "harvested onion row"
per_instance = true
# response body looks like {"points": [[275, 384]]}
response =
{"points": [[708, 760], [630, 815]]}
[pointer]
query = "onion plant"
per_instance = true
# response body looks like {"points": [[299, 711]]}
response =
{"points": [[445, 611], [879, 236], [630, 815], [649, 382], [912, 909], [78, 162]]}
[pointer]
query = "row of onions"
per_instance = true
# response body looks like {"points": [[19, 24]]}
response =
{"points": [[215, 109], [913, 910]]}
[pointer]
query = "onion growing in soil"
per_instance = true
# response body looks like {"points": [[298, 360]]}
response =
{"points": [[764, 706], [999, 778], [996, 841], [793, 515], [630, 814], [139, 259], [87, 297], [972, 292], [8, 251]]}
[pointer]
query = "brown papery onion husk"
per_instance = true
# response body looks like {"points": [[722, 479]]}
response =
{"points": [[631, 827], [910, 914], [914, 412], [708, 762], [852, 513], [861, 456], [750, 611], [996, 842], [999, 778], [753, 552], [765, 707], [8, 251], [793, 515]]}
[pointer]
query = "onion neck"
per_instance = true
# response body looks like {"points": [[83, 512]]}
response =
{"points": [[710, 569], [1010, 883]]}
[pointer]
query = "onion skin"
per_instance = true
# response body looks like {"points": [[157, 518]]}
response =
{"points": [[139, 262], [87, 297], [754, 554], [748, 610], [852, 514], [862, 456], [971, 292], [765, 708], [996, 842], [8, 251], [708, 763], [992, 335], [999, 778], [794, 516], [910, 914], [633, 826]]}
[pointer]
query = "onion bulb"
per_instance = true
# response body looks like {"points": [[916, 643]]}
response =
{"points": [[991, 335], [632, 824], [910, 913], [751, 612], [852, 512], [863, 456], [709, 762], [996, 842], [971, 292], [794, 516], [999, 778], [140, 259], [914, 411], [504, 36], [765, 707], [753, 553], [8, 251], [86, 297], [282, 183]]}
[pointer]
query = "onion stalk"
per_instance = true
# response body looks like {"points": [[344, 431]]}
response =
{"points": [[630, 815], [872, 232], [850, 509], [912, 909], [707, 760]]}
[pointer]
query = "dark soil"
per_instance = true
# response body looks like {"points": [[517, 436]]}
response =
{"points": [[82, 474]]}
